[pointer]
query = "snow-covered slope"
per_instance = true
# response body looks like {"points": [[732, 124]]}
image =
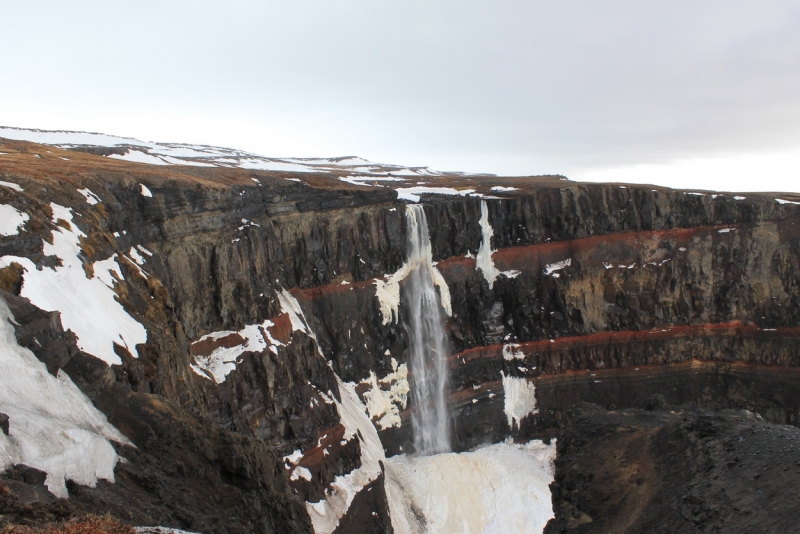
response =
{"points": [[134, 150], [53, 426]]}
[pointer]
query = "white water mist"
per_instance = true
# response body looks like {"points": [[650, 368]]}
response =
{"points": [[428, 343]]}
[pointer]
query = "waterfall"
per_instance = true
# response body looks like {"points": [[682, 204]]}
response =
{"points": [[428, 343]]}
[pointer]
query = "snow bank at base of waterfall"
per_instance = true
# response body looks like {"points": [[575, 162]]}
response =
{"points": [[498, 489]]}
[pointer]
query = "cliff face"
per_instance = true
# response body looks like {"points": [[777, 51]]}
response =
{"points": [[264, 300]]}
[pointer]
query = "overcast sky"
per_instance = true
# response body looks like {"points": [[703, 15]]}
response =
{"points": [[682, 93]]}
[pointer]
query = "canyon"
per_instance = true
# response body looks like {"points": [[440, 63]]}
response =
{"points": [[233, 338]]}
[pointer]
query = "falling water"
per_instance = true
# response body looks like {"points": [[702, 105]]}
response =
{"points": [[428, 344]]}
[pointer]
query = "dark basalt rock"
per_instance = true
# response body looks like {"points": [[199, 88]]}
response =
{"points": [[708, 317], [674, 469]]}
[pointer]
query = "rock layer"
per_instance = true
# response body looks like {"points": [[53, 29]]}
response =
{"points": [[607, 294]]}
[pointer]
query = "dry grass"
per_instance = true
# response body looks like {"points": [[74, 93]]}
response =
{"points": [[90, 524]]}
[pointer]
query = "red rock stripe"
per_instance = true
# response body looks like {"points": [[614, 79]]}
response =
{"points": [[735, 328]]}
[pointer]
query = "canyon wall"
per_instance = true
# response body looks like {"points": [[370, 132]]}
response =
{"points": [[271, 309]]}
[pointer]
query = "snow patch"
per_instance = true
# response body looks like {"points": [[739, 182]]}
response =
{"points": [[725, 230], [91, 198], [88, 306], [499, 489], [53, 426], [144, 191], [13, 186], [300, 472], [11, 219], [412, 194], [136, 257], [139, 157], [520, 399], [504, 188], [290, 306], [222, 360], [778, 200], [293, 458], [258, 164], [144, 250]]}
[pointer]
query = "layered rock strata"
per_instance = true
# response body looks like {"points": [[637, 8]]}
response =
{"points": [[261, 293]]}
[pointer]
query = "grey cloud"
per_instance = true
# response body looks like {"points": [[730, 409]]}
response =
{"points": [[508, 85]]}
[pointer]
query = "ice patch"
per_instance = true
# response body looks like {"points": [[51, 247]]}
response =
{"points": [[739, 198], [222, 360], [778, 200], [483, 260], [53, 426], [383, 405], [388, 294], [13, 186], [388, 291], [325, 514], [91, 198], [11, 219], [499, 489], [88, 306], [520, 399]]}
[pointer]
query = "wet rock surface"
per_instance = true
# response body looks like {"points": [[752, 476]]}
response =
{"points": [[675, 469]]}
